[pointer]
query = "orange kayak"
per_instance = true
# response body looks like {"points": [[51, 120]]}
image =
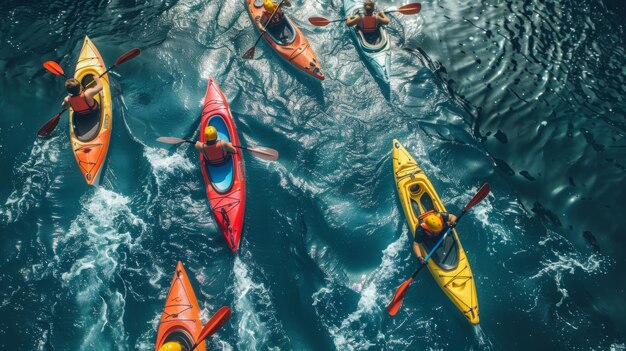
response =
{"points": [[180, 320], [90, 134], [288, 41]]}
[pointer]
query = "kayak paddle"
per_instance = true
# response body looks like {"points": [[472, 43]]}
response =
{"points": [[396, 302], [264, 153], [408, 9], [250, 53], [56, 69], [213, 325]]}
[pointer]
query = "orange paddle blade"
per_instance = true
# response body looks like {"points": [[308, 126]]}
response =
{"points": [[396, 302], [410, 9], [319, 21], [215, 323], [53, 68]]}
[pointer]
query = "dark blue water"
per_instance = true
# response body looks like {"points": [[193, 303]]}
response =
{"points": [[528, 96]]}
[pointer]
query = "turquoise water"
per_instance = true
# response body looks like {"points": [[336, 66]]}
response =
{"points": [[528, 96]]}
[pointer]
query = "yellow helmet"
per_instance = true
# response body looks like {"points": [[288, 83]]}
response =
{"points": [[210, 133], [433, 223], [269, 6], [171, 346]]}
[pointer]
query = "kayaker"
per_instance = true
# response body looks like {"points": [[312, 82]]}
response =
{"points": [[430, 226], [277, 21], [215, 151], [370, 22], [81, 100]]}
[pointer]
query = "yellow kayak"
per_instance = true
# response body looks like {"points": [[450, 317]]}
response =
{"points": [[90, 134], [448, 265]]}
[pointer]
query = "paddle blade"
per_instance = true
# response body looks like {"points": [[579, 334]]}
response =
{"points": [[215, 323], [396, 302], [264, 153], [131, 54], [319, 21], [250, 53], [480, 195], [410, 9], [49, 127], [171, 140], [53, 68]]}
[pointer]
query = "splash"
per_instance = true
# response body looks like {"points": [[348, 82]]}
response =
{"points": [[481, 338]]}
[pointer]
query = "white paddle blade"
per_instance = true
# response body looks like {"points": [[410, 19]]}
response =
{"points": [[264, 153], [171, 140]]}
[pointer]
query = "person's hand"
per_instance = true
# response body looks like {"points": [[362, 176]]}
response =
{"points": [[422, 262]]}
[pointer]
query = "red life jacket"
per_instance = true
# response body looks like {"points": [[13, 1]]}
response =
{"points": [[79, 104], [214, 152], [278, 18], [368, 24]]}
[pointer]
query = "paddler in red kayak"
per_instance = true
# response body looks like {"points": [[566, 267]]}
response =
{"points": [[430, 226], [370, 22], [173, 346], [82, 101], [214, 151]]}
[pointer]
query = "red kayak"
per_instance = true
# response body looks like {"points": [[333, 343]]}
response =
{"points": [[226, 182], [180, 321]]}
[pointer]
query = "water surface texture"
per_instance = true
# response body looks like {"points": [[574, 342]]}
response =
{"points": [[525, 95]]}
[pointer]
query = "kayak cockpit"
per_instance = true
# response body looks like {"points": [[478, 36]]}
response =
{"points": [[87, 126], [181, 337], [373, 41], [447, 254], [282, 34], [221, 175]]}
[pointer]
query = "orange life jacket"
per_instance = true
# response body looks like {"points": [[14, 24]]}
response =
{"points": [[368, 24], [79, 104], [214, 152]]}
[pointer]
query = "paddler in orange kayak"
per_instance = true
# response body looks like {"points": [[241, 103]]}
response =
{"points": [[215, 151], [370, 22], [275, 25], [81, 100], [174, 346]]}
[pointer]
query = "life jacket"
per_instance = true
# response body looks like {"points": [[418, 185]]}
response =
{"points": [[79, 104], [214, 152], [425, 227], [277, 19], [368, 24]]}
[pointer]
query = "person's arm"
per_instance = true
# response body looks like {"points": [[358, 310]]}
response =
{"points": [[228, 146], [449, 218], [353, 21], [199, 146], [382, 18], [65, 103], [418, 239], [93, 90]]}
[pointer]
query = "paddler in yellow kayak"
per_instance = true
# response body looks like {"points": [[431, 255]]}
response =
{"points": [[430, 226], [81, 100], [214, 151], [370, 22]]}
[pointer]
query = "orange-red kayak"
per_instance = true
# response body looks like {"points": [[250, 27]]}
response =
{"points": [[90, 134], [294, 49], [180, 320]]}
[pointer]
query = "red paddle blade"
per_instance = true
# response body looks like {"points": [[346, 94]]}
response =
{"points": [[396, 302], [49, 127], [410, 9], [249, 54], [215, 323], [319, 21], [53, 68], [131, 54], [480, 195]]}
